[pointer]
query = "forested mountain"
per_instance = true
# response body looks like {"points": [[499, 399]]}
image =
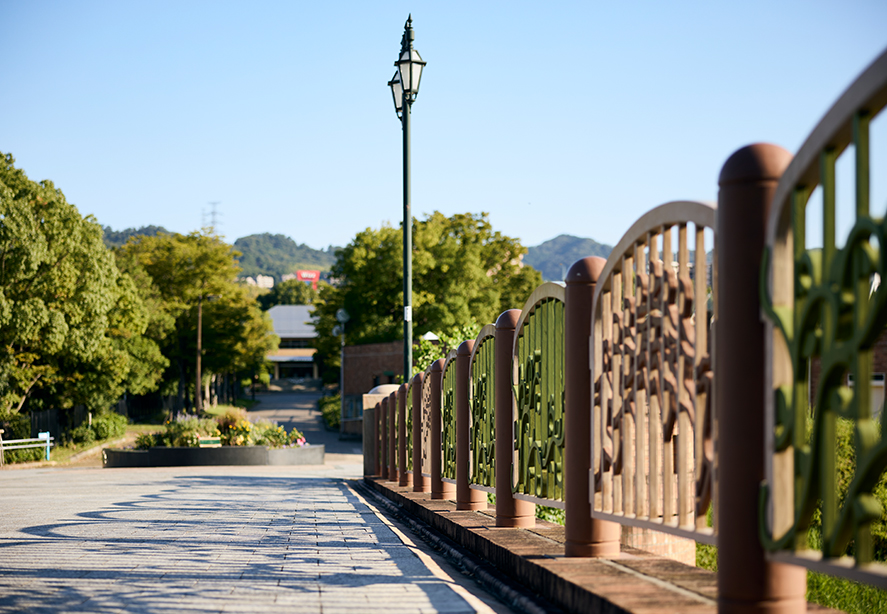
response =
{"points": [[116, 238], [276, 255], [554, 257]]}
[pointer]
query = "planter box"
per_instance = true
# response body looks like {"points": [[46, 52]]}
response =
{"points": [[226, 455]]}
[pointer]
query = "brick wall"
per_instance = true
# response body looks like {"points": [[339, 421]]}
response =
{"points": [[367, 365]]}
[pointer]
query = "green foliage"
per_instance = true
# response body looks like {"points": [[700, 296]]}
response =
{"points": [[331, 410], [289, 292], [180, 275], [109, 425], [184, 431], [706, 556], [83, 435], [551, 514], [145, 441], [845, 595], [463, 272], [71, 323], [426, 352], [276, 255], [554, 257], [118, 238]]}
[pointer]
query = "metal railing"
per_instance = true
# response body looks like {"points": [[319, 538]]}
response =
{"points": [[821, 305], [482, 438], [43, 440], [653, 447]]}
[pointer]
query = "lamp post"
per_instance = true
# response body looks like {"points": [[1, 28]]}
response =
{"points": [[404, 89], [342, 317]]}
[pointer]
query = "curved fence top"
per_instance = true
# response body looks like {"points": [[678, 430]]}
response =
{"points": [[835, 132], [549, 290], [485, 333], [826, 307], [652, 449], [701, 213]]}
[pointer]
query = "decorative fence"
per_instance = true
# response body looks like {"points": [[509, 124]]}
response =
{"points": [[826, 304], [539, 391], [675, 422], [652, 407], [448, 420], [482, 442]]}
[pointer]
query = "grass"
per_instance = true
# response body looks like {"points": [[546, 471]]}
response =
{"points": [[62, 454], [218, 410]]}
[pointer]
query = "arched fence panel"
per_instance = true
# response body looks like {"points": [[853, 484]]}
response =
{"points": [[448, 420], [426, 423], [824, 309], [653, 416], [539, 393], [482, 375]]}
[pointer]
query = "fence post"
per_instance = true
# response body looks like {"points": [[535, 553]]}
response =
{"points": [[381, 470], [467, 498], [510, 512], [585, 536], [383, 440], [370, 423], [392, 437], [747, 582], [439, 488], [421, 483], [406, 479]]}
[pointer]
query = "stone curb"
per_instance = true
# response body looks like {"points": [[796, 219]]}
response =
{"points": [[486, 575]]}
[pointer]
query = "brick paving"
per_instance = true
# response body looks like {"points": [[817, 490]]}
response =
{"points": [[212, 539]]}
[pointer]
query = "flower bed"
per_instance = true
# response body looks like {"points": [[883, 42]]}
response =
{"points": [[243, 443]]}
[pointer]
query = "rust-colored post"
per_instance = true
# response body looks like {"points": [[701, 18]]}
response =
{"points": [[510, 512], [392, 437], [406, 479], [421, 483], [384, 439], [467, 498], [439, 488], [585, 536], [747, 582], [378, 438]]}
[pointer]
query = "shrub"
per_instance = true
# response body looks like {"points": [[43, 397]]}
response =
{"points": [[146, 440], [331, 410], [184, 431], [109, 426], [237, 434], [83, 435]]}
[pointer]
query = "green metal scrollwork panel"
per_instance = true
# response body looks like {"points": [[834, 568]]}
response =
{"points": [[539, 427], [834, 315], [483, 414], [448, 419]]}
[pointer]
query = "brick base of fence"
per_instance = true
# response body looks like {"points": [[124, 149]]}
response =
{"points": [[655, 542], [633, 581]]}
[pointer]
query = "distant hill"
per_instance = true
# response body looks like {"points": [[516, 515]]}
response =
{"points": [[116, 238], [554, 257], [276, 255]]}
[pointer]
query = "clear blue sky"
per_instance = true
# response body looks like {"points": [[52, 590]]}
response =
{"points": [[553, 117]]}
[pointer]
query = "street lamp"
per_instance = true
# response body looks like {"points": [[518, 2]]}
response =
{"points": [[339, 330], [404, 89]]}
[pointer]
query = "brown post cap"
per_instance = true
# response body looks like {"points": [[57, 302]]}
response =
{"points": [[437, 366], [465, 348], [417, 378], [508, 319], [378, 405], [402, 389], [758, 162], [586, 271]]}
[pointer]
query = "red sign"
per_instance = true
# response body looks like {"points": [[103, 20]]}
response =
{"points": [[309, 276]]}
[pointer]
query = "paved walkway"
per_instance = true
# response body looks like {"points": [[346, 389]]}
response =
{"points": [[213, 539]]}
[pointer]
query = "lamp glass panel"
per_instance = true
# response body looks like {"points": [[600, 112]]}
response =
{"points": [[416, 70], [397, 92], [403, 69]]}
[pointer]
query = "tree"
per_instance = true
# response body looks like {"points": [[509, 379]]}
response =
{"points": [[71, 324], [195, 274], [289, 292], [463, 272]]}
